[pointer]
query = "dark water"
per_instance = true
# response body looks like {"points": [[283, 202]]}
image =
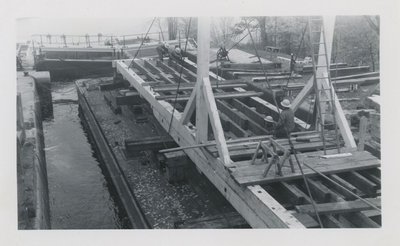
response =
{"points": [[80, 195]]}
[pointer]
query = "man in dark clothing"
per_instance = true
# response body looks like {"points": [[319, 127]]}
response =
{"points": [[176, 54], [269, 125], [285, 124], [162, 51], [222, 53]]}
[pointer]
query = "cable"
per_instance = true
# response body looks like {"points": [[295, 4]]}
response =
{"points": [[162, 33], [258, 56], [180, 77], [298, 51], [287, 132], [137, 52]]}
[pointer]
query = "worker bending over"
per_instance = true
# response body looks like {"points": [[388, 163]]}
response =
{"points": [[285, 124], [222, 53], [162, 50], [176, 54]]}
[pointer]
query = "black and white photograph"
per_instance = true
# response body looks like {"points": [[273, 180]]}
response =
{"points": [[204, 123]]}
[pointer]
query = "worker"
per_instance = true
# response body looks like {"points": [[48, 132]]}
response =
{"points": [[176, 54], [292, 63], [162, 50], [269, 125], [285, 124], [222, 53], [19, 63]]}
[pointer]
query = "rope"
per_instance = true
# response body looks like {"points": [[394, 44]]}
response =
{"points": [[180, 76], [259, 59], [141, 44]]}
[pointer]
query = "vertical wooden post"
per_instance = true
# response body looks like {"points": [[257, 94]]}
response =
{"points": [[203, 60], [362, 132], [20, 115]]}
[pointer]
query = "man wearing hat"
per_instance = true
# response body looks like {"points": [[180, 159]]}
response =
{"points": [[285, 124], [176, 54], [269, 125], [162, 50]]}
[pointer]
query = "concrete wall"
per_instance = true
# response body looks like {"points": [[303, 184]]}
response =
{"points": [[33, 195]]}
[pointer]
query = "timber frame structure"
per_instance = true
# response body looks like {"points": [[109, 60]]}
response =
{"points": [[231, 165]]}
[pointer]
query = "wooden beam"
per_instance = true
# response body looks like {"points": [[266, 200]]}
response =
{"points": [[247, 174], [174, 73], [215, 122], [185, 87], [184, 70], [347, 186], [160, 73], [362, 132], [339, 207], [222, 95], [362, 183], [241, 119], [319, 191], [303, 94], [190, 106], [294, 194], [143, 70], [258, 213], [249, 112], [203, 60]]}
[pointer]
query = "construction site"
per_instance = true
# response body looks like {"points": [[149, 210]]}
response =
{"points": [[189, 126]]}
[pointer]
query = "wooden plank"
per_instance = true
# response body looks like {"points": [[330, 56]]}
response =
{"points": [[339, 207], [319, 191], [331, 222], [306, 220], [260, 102], [231, 126], [362, 221], [232, 114], [347, 186], [190, 106], [179, 68], [294, 194], [246, 110], [190, 87], [171, 71], [312, 159], [157, 71], [253, 174], [223, 95], [270, 109], [143, 70], [135, 146], [303, 94], [220, 221], [362, 183], [133, 98]]}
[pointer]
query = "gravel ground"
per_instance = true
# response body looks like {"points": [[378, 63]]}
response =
{"points": [[163, 203]]}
